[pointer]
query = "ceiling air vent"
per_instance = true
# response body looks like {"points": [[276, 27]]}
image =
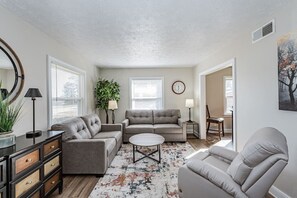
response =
{"points": [[263, 31]]}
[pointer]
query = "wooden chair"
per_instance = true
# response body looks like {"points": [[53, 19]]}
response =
{"points": [[214, 120]]}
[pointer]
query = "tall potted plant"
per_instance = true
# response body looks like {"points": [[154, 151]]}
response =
{"points": [[106, 90], [8, 117]]}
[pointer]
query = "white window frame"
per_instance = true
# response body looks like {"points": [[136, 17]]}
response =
{"points": [[145, 78], [67, 66], [225, 101]]}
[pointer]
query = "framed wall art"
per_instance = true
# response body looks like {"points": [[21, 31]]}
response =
{"points": [[287, 71]]}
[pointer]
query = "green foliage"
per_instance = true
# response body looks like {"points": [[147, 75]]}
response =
{"points": [[104, 91], [8, 115]]}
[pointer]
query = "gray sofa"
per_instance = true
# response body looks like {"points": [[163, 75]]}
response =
{"points": [[88, 146], [163, 122], [220, 172]]}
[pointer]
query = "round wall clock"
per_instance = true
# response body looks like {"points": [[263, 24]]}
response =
{"points": [[178, 87]]}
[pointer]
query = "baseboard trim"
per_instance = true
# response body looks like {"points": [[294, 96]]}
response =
{"points": [[275, 192]]}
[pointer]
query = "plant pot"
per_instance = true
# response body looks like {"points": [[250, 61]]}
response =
{"points": [[7, 139]]}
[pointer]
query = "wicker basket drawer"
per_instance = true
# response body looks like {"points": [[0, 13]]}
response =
{"points": [[52, 183], [27, 183], [36, 193], [51, 165], [23, 162], [51, 147]]}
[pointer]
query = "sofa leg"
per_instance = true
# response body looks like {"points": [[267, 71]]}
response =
{"points": [[99, 175]]}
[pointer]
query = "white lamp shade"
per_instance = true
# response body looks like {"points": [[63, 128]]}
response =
{"points": [[112, 104], [189, 103]]}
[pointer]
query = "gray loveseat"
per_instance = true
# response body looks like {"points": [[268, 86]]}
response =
{"points": [[88, 146], [163, 122]]}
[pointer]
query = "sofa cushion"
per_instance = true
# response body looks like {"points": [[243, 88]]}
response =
{"points": [[169, 116], [74, 128], [263, 144], [93, 123], [139, 116], [167, 128], [140, 128], [111, 134], [260, 147], [217, 163], [110, 145], [238, 170]]}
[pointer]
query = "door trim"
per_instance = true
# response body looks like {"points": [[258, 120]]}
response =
{"points": [[202, 93]]}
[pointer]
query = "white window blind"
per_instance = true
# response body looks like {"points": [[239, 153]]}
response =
{"points": [[67, 92], [146, 93]]}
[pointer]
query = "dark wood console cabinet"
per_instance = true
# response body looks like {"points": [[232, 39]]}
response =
{"points": [[32, 167]]}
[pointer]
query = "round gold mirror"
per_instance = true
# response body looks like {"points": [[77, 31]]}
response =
{"points": [[11, 73]]}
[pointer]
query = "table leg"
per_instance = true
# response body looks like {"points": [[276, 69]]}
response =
{"points": [[148, 155], [159, 153], [134, 153]]}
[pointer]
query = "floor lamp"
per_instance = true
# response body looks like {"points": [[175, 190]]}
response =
{"points": [[33, 93], [112, 105], [189, 104]]}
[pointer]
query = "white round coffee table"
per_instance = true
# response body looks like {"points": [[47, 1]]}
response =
{"points": [[146, 140]]}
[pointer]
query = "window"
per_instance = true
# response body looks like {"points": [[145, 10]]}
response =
{"points": [[146, 93], [66, 91], [228, 95]]}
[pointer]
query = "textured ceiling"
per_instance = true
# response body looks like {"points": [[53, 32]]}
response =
{"points": [[143, 33]]}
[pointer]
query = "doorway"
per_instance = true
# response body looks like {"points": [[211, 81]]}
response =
{"points": [[203, 98]]}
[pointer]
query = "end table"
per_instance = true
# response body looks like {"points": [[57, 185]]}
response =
{"points": [[194, 126]]}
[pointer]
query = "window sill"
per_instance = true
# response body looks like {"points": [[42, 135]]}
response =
{"points": [[227, 115]]}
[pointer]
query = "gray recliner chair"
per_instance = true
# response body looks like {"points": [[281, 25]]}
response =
{"points": [[220, 172]]}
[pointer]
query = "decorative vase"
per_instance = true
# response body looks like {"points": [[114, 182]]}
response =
{"points": [[7, 139]]}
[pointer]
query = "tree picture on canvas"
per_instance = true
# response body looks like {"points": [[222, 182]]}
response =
{"points": [[287, 73]]}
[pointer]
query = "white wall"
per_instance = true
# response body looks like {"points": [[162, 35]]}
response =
{"points": [[10, 78], [7, 77], [171, 100], [3, 78], [32, 47], [257, 88]]}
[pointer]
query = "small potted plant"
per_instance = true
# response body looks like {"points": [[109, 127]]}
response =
{"points": [[9, 115]]}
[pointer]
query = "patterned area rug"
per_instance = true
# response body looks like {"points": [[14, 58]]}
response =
{"points": [[146, 178]]}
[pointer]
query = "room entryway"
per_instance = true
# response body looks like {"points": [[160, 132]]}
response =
{"points": [[218, 91]]}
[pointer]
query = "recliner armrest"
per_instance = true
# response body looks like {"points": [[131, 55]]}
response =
{"points": [[223, 152], [111, 127], [216, 176]]}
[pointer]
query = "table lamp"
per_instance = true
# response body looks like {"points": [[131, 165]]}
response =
{"points": [[112, 105], [189, 104], [33, 93]]}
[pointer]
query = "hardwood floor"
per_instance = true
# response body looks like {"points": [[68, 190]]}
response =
{"points": [[210, 140], [77, 186], [82, 186]]}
